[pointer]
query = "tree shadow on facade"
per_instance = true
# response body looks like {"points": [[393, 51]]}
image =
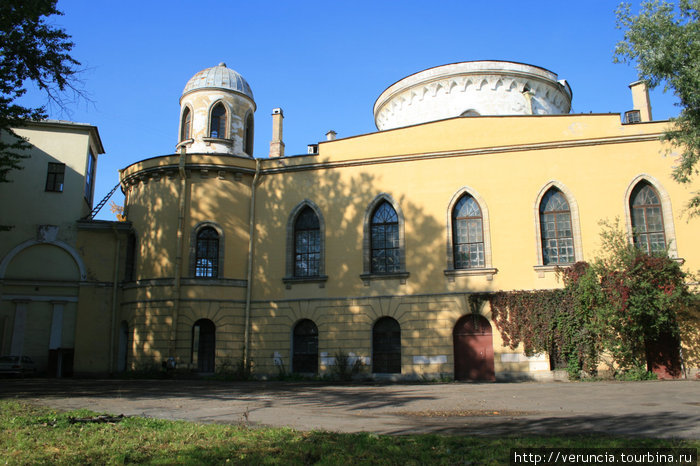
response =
{"points": [[348, 296]]}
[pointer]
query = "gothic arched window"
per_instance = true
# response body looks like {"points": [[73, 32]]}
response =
{"points": [[307, 244], [217, 123], [186, 128], [249, 134], [467, 234], [384, 240], [556, 230], [647, 219]]}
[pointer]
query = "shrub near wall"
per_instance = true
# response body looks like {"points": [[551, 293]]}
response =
{"points": [[627, 304]]}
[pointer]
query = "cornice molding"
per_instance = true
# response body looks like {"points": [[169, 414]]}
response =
{"points": [[466, 153]]}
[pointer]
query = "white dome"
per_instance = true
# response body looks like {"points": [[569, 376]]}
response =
{"points": [[476, 88], [219, 77]]}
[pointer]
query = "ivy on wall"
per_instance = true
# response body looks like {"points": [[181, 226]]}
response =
{"points": [[622, 305]]}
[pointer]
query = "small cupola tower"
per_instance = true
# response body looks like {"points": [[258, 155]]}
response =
{"points": [[216, 113]]}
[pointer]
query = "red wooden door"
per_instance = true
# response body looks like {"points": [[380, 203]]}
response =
{"points": [[663, 357], [473, 349]]}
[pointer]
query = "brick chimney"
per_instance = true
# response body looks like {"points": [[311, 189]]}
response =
{"points": [[276, 145], [640, 100]]}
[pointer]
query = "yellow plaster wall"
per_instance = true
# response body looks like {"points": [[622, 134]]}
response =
{"points": [[593, 158], [597, 176]]}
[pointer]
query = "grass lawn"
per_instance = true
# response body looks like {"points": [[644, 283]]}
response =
{"points": [[39, 435]]}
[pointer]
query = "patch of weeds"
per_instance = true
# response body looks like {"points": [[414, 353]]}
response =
{"points": [[436, 378], [227, 370], [635, 373], [346, 367]]}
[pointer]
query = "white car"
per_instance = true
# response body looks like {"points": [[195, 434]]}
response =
{"points": [[19, 365]]}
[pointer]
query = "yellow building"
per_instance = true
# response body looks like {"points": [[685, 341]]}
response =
{"points": [[42, 271], [379, 246]]}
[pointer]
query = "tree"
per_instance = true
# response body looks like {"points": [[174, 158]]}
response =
{"points": [[664, 42], [30, 51], [645, 295]]}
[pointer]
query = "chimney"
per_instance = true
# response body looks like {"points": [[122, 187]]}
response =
{"points": [[640, 100], [330, 135], [276, 145]]}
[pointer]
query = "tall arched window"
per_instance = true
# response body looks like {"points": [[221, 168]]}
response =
{"points": [[185, 130], [647, 219], [217, 124], [305, 347], [249, 134], [384, 240], [207, 253], [386, 346], [467, 234], [556, 230], [307, 244]]}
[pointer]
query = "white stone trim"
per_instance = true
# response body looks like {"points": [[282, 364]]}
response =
{"points": [[428, 360], [29, 243]]}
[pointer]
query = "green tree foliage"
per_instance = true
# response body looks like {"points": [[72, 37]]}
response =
{"points": [[620, 305], [30, 51], [663, 40], [643, 297]]}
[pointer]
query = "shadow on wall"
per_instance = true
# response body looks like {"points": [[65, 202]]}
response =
{"points": [[343, 202], [153, 211], [689, 323], [343, 198]]}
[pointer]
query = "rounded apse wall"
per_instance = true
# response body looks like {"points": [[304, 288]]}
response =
{"points": [[477, 88]]}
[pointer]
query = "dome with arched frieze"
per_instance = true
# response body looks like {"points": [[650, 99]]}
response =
{"points": [[472, 89]]}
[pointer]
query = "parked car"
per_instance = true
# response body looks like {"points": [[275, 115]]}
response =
{"points": [[17, 365]]}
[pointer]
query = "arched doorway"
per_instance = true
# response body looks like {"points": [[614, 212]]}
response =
{"points": [[123, 355], [473, 348], [305, 347], [386, 346], [203, 345]]}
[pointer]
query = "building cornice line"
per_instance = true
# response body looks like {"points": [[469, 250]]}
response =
{"points": [[466, 153], [163, 170]]}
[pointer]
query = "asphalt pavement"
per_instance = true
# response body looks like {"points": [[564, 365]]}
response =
{"points": [[668, 409]]}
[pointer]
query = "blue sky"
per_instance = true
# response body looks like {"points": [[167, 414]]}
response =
{"points": [[323, 63]]}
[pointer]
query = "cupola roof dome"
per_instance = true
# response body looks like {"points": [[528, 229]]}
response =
{"points": [[219, 77]]}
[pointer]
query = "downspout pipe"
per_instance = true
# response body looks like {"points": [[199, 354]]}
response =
{"points": [[115, 284], [249, 275], [178, 253]]}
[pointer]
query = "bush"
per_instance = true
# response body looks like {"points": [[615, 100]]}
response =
{"points": [[624, 303], [344, 369]]}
